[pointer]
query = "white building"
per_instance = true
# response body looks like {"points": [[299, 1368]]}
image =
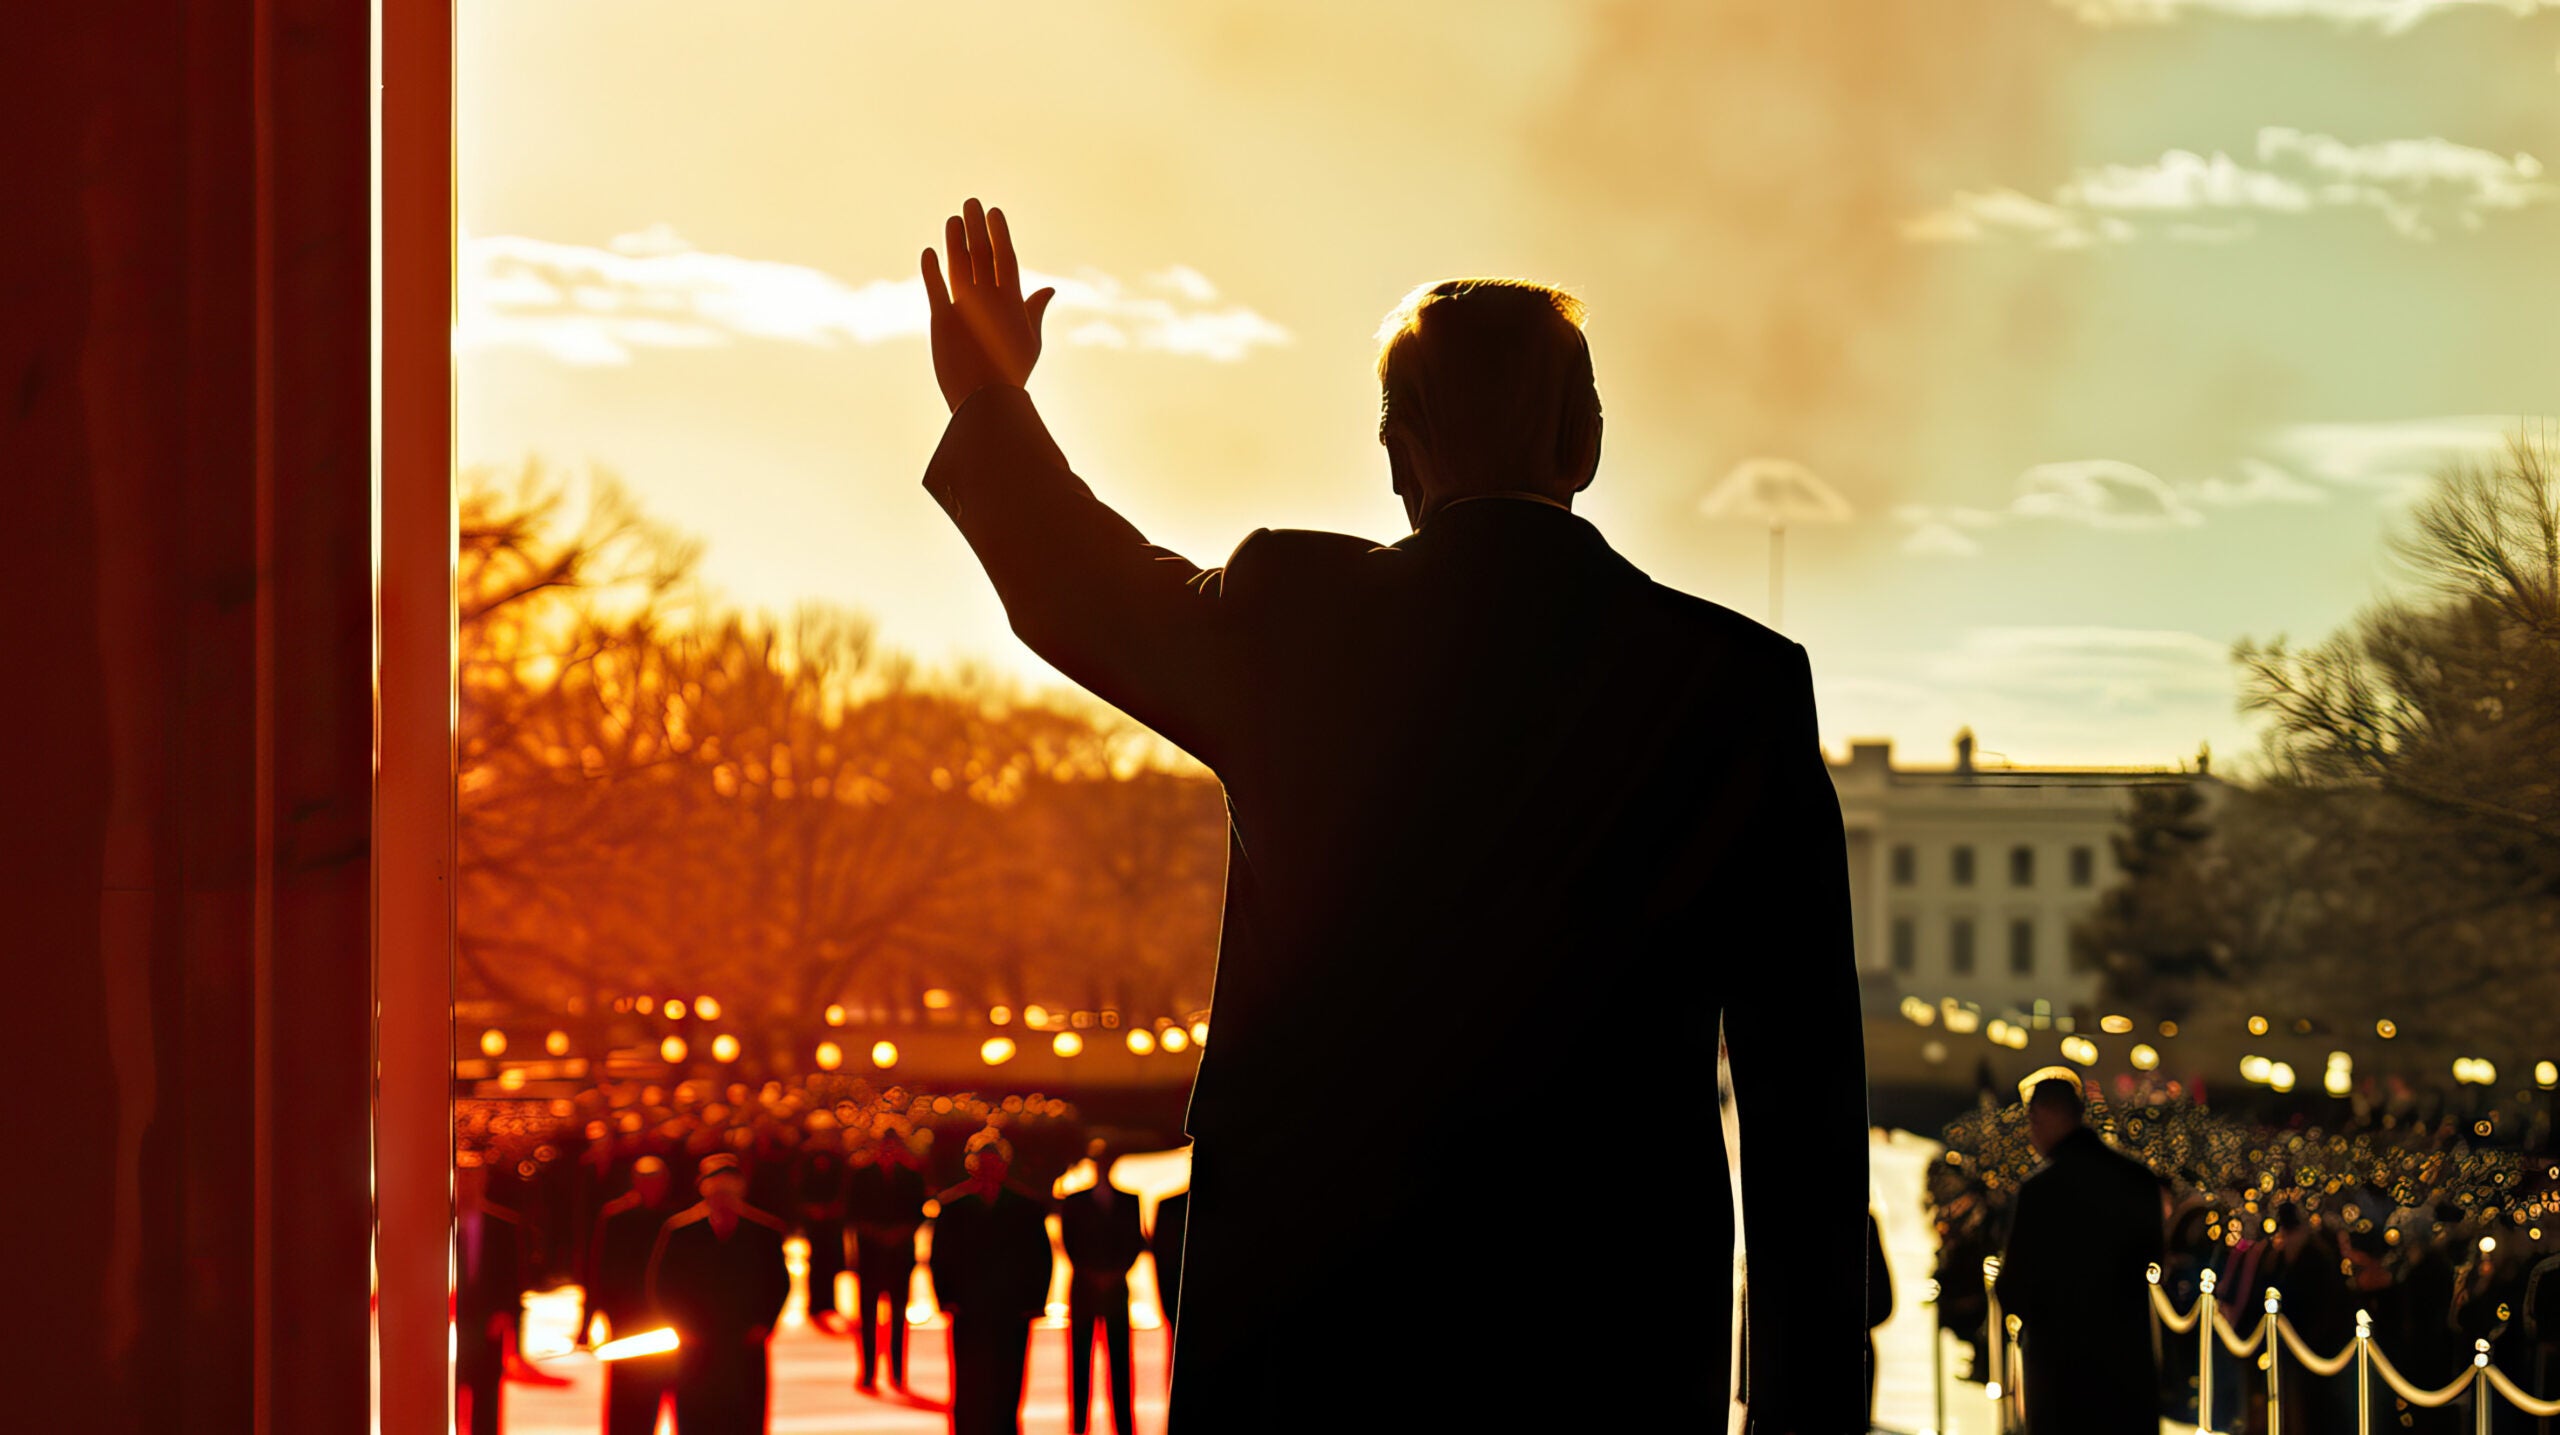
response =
{"points": [[1965, 881]]}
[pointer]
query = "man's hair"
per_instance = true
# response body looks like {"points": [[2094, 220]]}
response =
{"points": [[1490, 375], [2057, 1095]]}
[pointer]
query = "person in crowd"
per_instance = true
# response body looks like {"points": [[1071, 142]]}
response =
{"points": [[1879, 1303], [493, 1263], [885, 1201], [718, 1276], [2303, 1264], [1099, 1228], [991, 1268], [1967, 1234], [615, 1283], [2085, 1231], [818, 1203], [1405, 735], [1172, 1213]]}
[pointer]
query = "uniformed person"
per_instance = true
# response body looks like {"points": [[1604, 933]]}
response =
{"points": [[616, 1283], [1099, 1227], [991, 1274], [717, 1275], [885, 1201], [493, 1266], [818, 1197]]}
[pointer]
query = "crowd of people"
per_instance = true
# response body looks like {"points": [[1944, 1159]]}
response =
{"points": [[669, 1205], [2419, 1217]]}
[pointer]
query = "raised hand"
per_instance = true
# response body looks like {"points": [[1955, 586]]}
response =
{"points": [[984, 331]]}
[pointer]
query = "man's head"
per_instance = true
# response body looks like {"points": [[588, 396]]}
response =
{"points": [[2054, 1110], [989, 1157], [1485, 387], [1102, 1154], [723, 1183], [650, 1177]]}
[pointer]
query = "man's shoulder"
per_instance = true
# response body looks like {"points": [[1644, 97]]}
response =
{"points": [[621, 1205], [1288, 551]]}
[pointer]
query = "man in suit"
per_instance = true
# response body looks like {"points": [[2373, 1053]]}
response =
{"points": [[885, 1201], [718, 1276], [991, 1267], [493, 1263], [1099, 1228], [1172, 1213], [616, 1286], [819, 1197], [2086, 1227], [1492, 776]]}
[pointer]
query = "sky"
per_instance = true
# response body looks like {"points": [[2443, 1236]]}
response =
{"points": [[2074, 339]]}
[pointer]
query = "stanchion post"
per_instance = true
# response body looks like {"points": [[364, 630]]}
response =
{"points": [[2206, 1311], [1998, 1329], [2480, 1384], [2275, 1411], [2364, 1372], [1937, 1360]]}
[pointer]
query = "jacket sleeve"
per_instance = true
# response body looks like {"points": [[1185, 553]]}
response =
{"points": [[1138, 625], [1798, 1055]]}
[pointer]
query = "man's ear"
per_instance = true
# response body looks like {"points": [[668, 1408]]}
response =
{"points": [[1579, 440]]}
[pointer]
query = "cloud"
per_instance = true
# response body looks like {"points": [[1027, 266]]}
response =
{"points": [[2388, 16], [2397, 457], [1777, 491], [2102, 493], [2260, 482], [1939, 540], [2416, 185], [651, 289], [2046, 695]]}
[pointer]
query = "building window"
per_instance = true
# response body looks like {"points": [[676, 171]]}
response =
{"points": [[1960, 946], [2022, 946], [1906, 864], [1960, 860], [2084, 866], [2022, 866], [1906, 945]]}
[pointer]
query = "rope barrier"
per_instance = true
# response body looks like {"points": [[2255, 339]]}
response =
{"points": [[2177, 1324], [2302, 1351], [2499, 1382], [2231, 1340]]}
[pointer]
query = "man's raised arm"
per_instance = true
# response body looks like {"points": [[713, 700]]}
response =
{"points": [[1139, 626]]}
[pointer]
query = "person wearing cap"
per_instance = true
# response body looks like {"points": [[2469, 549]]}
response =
{"points": [[991, 1267], [717, 1275], [2085, 1230], [884, 1199], [1099, 1227], [615, 1283]]}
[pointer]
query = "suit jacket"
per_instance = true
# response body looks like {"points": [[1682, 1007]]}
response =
{"points": [[2087, 1224], [715, 1291], [617, 1275], [991, 1260], [1101, 1244], [885, 1204], [1511, 825]]}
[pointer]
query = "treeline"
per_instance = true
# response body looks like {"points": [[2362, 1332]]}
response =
{"points": [[660, 794], [2397, 856]]}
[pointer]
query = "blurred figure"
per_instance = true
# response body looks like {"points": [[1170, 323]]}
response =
{"points": [[885, 1201], [1166, 1241], [991, 1267], [718, 1276], [2086, 1228], [493, 1266], [1490, 771], [1099, 1227], [818, 1200], [1879, 1303], [616, 1285]]}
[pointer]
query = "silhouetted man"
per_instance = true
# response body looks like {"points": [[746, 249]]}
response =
{"points": [[885, 1201], [1099, 1228], [991, 1268], [616, 1285], [493, 1267], [2086, 1227], [819, 1196], [719, 1277], [1491, 776]]}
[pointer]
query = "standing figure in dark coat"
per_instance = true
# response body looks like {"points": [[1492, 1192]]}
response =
{"points": [[493, 1263], [1490, 773], [1099, 1228], [1172, 1213], [991, 1267], [2085, 1231], [719, 1277], [616, 1286], [818, 1200], [885, 1201]]}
